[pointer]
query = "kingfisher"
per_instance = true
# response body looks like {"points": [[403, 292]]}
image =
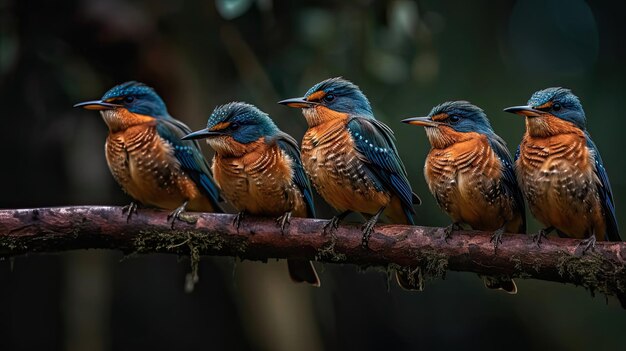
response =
{"points": [[259, 171], [147, 157], [351, 158], [470, 172], [560, 170]]}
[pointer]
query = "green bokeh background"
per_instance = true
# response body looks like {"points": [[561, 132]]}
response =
{"points": [[406, 56]]}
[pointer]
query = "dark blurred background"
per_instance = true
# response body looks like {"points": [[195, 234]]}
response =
{"points": [[406, 56]]}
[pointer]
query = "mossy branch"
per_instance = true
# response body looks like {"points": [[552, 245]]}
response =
{"points": [[28, 231]]}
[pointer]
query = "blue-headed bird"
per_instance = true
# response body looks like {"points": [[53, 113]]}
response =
{"points": [[146, 155], [352, 159], [258, 169], [560, 170], [470, 173]]}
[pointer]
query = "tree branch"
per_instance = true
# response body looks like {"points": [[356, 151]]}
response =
{"points": [[414, 248]]}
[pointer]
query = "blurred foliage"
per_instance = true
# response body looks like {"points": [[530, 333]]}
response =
{"points": [[407, 56]]}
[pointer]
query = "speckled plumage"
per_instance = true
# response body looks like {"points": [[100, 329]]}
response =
{"points": [[560, 170], [557, 177], [469, 169], [260, 181], [146, 156], [259, 171], [144, 165], [352, 160], [252, 164], [466, 180], [470, 173], [351, 157], [340, 175]]}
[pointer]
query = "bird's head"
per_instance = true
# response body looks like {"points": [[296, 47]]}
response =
{"points": [[453, 121], [236, 128], [128, 104], [552, 111], [331, 99]]}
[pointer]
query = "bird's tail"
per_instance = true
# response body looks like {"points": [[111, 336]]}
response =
{"points": [[398, 213], [412, 281], [302, 271], [500, 283], [622, 300]]}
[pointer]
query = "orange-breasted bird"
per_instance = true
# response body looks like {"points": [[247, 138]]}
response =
{"points": [[351, 157], [470, 173], [560, 170], [146, 155], [258, 169]]}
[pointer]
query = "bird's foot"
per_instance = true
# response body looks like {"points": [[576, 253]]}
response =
{"points": [[542, 234], [589, 244], [283, 221], [332, 225], [367, 229], [238, 219], [130, 208], [496, 239], [176, 214], [447, 233]]}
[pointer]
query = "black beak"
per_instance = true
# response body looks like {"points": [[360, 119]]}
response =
{"points": [[97, 105], [421, 121], [527, 111], [201, 134], [298, 103]]}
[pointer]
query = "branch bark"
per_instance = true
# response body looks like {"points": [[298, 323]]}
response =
{"points": [[28, 231]]}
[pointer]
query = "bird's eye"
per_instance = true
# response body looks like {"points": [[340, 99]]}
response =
{"points": [[329, 97], [556, 106], [454, 118], [129, 99], [234, 126]]}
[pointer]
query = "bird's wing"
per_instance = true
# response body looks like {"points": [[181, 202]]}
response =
{"points": [[290, 147], [188, 153], [606, 194], [509, 180], [375, 143]]}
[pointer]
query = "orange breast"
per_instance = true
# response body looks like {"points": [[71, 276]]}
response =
{"points": [[556, 174], [260, 182], [339, 176], [465, 179], [145, 167]]}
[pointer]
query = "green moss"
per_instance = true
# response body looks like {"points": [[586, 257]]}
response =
{"points": [[431, 264], [185, 243], [328, 252], [435, 263], [188, 241], [593, 272], [519, 269]]}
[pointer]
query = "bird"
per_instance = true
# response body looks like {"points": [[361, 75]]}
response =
{"points": [[560, 170], [469, 171], [352, 159], [258, 169], [147, 157]]}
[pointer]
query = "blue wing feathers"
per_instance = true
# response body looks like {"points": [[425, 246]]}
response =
{"points": [[190, 158], [375, 143], [509, 180], [606, 194], [290, 147]]}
